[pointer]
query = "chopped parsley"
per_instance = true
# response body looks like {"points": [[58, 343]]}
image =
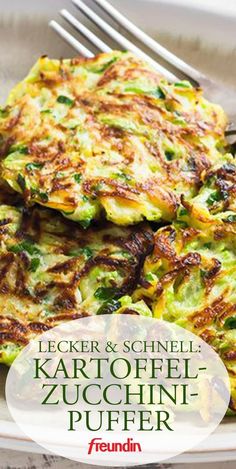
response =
{"points": [[149, 277], [78, 177], [22, 149], [35, 262], [65, 100], [105, 293], [231, 219], [32, 166], [27, 245], [203, 274], [230, 323], [207, 245], [183, 212], [157, 93], [85, 223], [169, 154], [43, 196]]}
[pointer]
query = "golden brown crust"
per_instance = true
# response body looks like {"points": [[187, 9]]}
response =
{"points": [[109, 137]]}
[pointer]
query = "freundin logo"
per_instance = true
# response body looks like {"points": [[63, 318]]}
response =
{"points": [[98, 445]]}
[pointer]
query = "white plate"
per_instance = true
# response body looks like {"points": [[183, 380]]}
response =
{"points": [[203, 33]]}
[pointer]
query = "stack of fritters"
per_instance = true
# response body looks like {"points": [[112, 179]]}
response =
{"points": [[109, 139]]}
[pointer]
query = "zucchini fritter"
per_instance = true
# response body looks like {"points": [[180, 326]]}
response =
{"points": [[51, 271], [215, 203], [108, 137], [190, 279]]}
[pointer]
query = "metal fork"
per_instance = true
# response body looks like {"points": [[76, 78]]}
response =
{"points": [[213, 90]]}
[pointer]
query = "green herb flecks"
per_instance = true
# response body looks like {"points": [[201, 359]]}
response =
{"points": [[169, 154], [230, 323], [21, 182], [109, 307], [156, 93], [216, 196], [22, 149], [34, 165], [203, 274], [124, 176], [183, 84], [86, 251], [65, 100], [34, 264], [42, 195], [27, 245]]}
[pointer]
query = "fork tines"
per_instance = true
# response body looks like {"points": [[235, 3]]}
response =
{"points": [[111, 32], [214, 91]]}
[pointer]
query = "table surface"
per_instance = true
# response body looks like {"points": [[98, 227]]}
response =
{"points": [[16, 460]]}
